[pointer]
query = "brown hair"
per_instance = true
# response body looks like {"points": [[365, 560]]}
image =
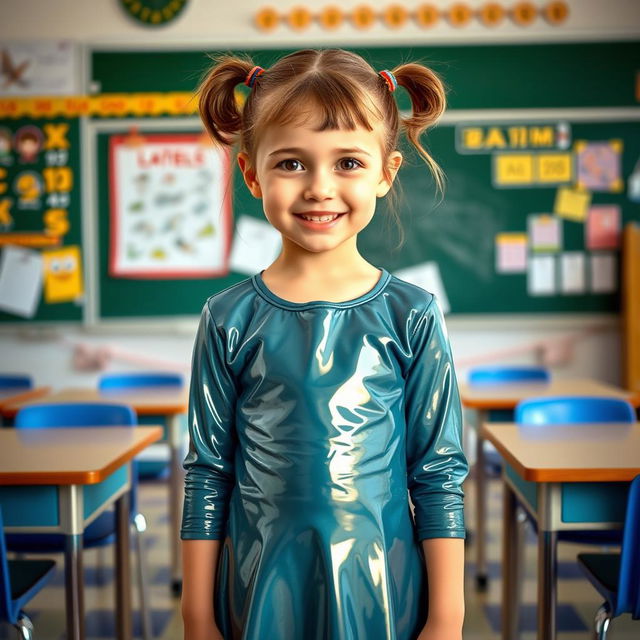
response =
{"points": [[341, 85]]}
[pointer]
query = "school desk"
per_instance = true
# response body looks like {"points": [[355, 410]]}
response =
{"points": [[485, 398], [164, 404], [568, 477], [9, 396], [58, 481]]}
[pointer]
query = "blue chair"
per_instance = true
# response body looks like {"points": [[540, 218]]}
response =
{"points": [[15, 382], [20, 581], [576, 409], [616, 576], [494, 375], [508, 374], [102, 530], [130, 381], [155, 460]]}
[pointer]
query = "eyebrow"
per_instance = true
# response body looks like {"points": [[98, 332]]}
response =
{"points": [[298, 150]]}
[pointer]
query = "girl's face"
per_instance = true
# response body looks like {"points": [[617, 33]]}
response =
{"points": [[300, 171]]}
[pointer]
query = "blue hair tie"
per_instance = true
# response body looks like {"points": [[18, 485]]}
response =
{"points": [[253, 75]]}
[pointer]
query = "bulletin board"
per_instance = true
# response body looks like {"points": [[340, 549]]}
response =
{"points": [[460, 234], [592, 85], [40, 195]]}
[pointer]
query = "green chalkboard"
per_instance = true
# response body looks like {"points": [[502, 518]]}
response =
{"points": [[459, 233], [47, 210]]}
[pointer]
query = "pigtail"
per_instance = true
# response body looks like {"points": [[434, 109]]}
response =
{"points": [[217, 100], [428, 100]]}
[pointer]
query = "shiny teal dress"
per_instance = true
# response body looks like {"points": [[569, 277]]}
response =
{"points": [[310, 425]]}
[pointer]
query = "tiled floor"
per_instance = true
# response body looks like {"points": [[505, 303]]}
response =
{"points": [[577, 599]]}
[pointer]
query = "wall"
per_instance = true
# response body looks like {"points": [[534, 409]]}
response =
{"points": [[47, 355]]}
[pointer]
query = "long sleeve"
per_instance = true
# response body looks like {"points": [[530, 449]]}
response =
{"points": [[436, 464], [209, 463]]}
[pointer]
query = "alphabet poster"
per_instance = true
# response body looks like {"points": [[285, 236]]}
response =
{"points": [[170, 207]]}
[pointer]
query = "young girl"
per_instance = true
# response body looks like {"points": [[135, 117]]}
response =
{"points": [[323, 390]]}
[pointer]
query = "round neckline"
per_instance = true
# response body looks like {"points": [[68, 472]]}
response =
{"points": [[271, 297]]}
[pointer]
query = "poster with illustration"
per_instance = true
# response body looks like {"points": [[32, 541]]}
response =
{"points": [[170, 207]]}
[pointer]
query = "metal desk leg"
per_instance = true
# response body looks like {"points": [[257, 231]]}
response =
{"points": [[124, 617], [176, 483], [510, 604], [547, 574], [481, 506], [74, 593]]}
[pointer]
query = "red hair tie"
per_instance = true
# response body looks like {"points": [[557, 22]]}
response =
{"points": [[390, 79], [252, 75]]}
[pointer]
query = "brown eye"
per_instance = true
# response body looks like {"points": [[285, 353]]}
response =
{"points": [[290, 165], [349, 164]]}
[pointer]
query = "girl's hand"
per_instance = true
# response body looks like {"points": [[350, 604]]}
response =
{"points": [[440, 631]]}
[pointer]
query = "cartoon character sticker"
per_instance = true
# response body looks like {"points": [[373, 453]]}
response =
{"points": [[28, 142], [62, 274]]}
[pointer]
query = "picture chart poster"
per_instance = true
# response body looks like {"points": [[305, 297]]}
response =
{"points": [[170, 207]]}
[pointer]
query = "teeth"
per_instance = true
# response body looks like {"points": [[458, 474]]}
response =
{"points": [[321, 218]]}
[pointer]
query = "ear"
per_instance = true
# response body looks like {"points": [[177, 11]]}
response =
{"points": [[393, 164], [249, 175]]}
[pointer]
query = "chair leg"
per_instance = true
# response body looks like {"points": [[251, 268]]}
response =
{"points": [[602, 621], [24, 627], [140, 526]]}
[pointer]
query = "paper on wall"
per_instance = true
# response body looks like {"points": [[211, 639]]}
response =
{"points": [[511, 252], [572, 203], [20, 281], [545, 232], [256, 244], [604, 277], [603, 227], [572, 276], [427, 276], [541, 276]]}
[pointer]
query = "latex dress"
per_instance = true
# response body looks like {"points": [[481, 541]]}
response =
{"points": [[313, 428]]}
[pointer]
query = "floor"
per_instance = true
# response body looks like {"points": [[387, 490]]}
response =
{"points": [[578, 601]]}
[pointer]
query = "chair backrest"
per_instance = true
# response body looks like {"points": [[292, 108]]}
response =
{"points": [[6, 608], [629, 580], [124, 381], [15, 382], [505, 375], [95, 414], [567, 409]]}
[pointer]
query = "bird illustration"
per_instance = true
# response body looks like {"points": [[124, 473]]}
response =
{"points": [[12, 73]]}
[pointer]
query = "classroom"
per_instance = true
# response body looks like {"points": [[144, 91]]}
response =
{"points": [[464, 179]]}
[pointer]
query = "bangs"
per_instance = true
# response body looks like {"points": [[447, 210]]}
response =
{"points": [[332, 101]]}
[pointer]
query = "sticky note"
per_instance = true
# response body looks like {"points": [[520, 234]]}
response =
{"points": [[604, 277], [572, 203]]}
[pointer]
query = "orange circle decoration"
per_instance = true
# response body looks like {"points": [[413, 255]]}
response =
{"points": [[331, 17], [524, 13], [363, 17], [267, 19], [556, 12], [299, 18], [491, 14], [427, 15], [395, 16], [459, 15]]}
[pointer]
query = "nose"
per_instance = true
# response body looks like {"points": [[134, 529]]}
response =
{"points": [[320, 186]]}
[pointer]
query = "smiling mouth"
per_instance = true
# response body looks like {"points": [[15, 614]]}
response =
{"points": [[319, 216]]}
